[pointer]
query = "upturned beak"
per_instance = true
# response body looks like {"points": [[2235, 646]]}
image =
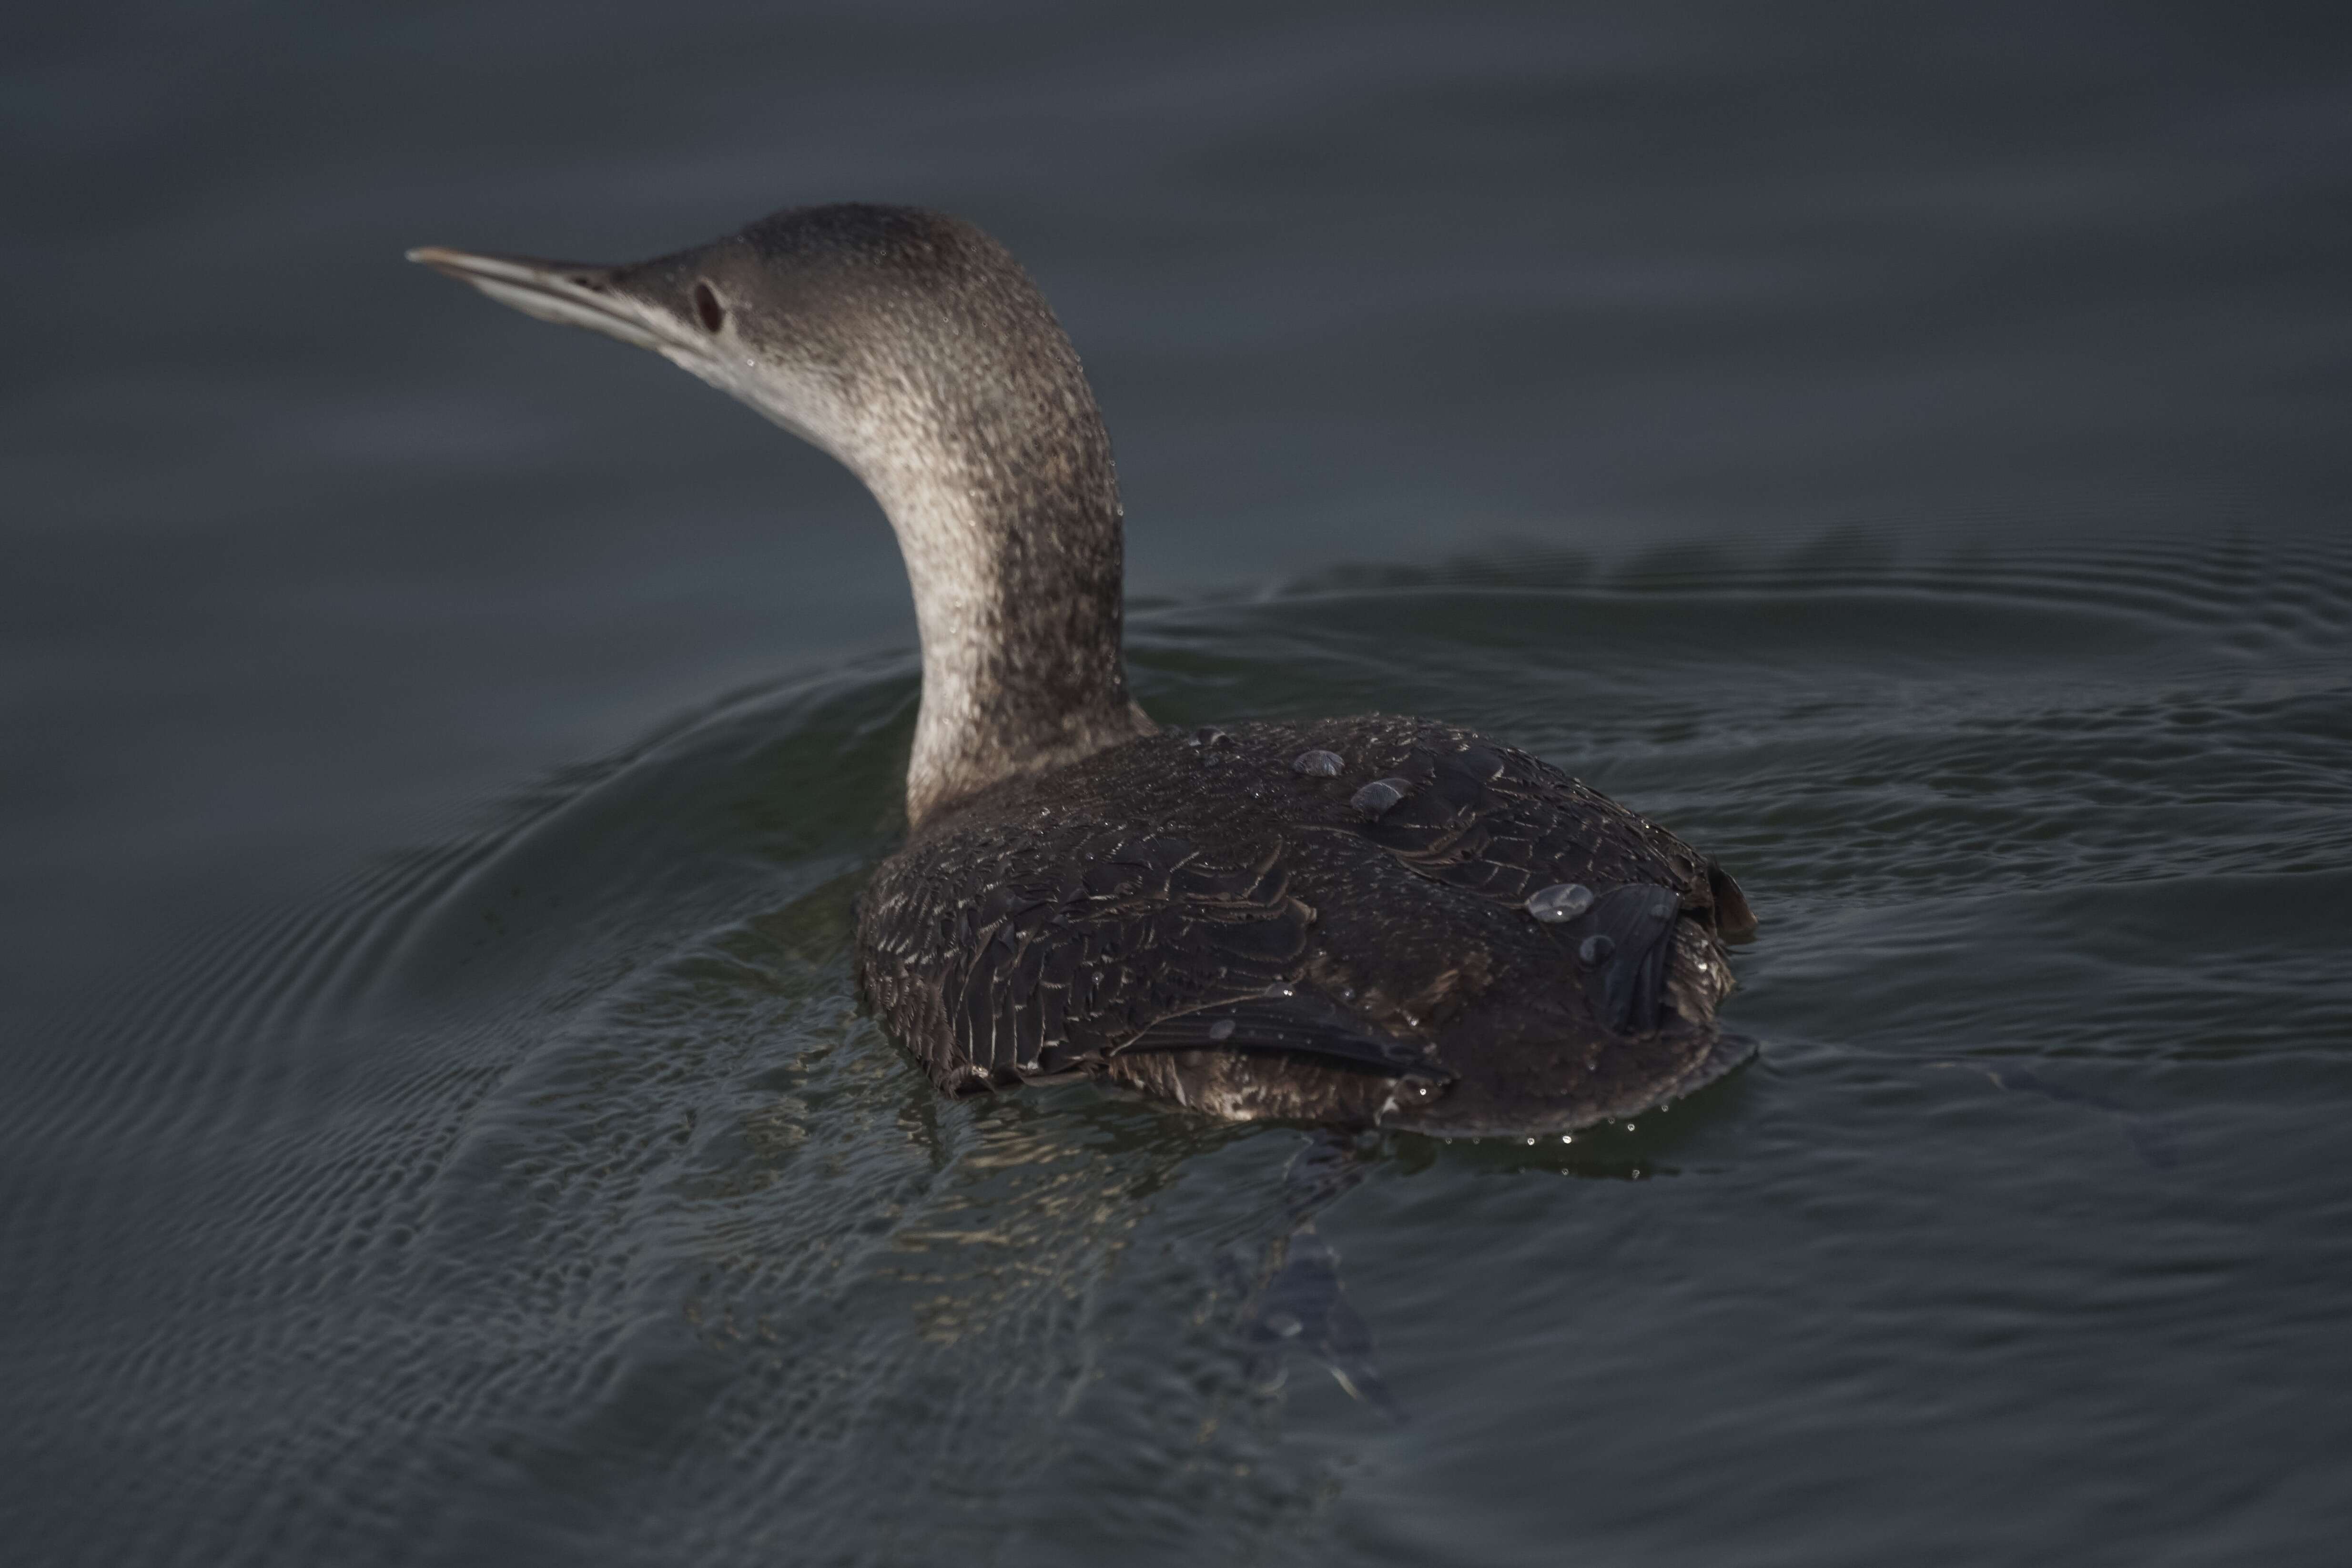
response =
{"points": [[569, 293]]}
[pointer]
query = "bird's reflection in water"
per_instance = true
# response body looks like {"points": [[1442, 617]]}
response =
{"points": [[1293, 1299]]}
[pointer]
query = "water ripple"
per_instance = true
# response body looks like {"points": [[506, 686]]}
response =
{"points": [[545, 1185]]}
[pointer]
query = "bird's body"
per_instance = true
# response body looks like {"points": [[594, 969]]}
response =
{"points": [[1362, 921], [1192, 915]]}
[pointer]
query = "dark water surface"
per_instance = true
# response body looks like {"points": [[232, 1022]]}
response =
{"points": [[1902, 450]]}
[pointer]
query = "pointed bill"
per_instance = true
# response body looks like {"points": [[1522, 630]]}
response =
{"points": [[569, 293]]}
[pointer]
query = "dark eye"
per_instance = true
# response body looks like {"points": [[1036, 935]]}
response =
{"points": [[707, 305]]}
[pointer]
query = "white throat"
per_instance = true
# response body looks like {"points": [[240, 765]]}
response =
{"points": [[1012, 551], [952, 569]]}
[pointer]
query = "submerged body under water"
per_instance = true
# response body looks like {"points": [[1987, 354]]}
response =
{"points": [[546, 1194]]}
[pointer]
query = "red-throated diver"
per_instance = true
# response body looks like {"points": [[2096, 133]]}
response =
{"points": [[1371, 920]]}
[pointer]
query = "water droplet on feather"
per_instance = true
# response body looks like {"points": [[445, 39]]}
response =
{"points": [[1377, 797], [1317, 764], [1561, 900], [1596, 949]]}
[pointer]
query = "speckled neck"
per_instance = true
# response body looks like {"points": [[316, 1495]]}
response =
{"points": [[1015, 554], [913, 347]]}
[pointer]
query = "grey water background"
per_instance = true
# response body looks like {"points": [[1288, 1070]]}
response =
{"points": [[1900, 447]]}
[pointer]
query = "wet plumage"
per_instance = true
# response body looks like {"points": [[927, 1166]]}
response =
{"points": [[1195, 917], [1368, 921]]}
